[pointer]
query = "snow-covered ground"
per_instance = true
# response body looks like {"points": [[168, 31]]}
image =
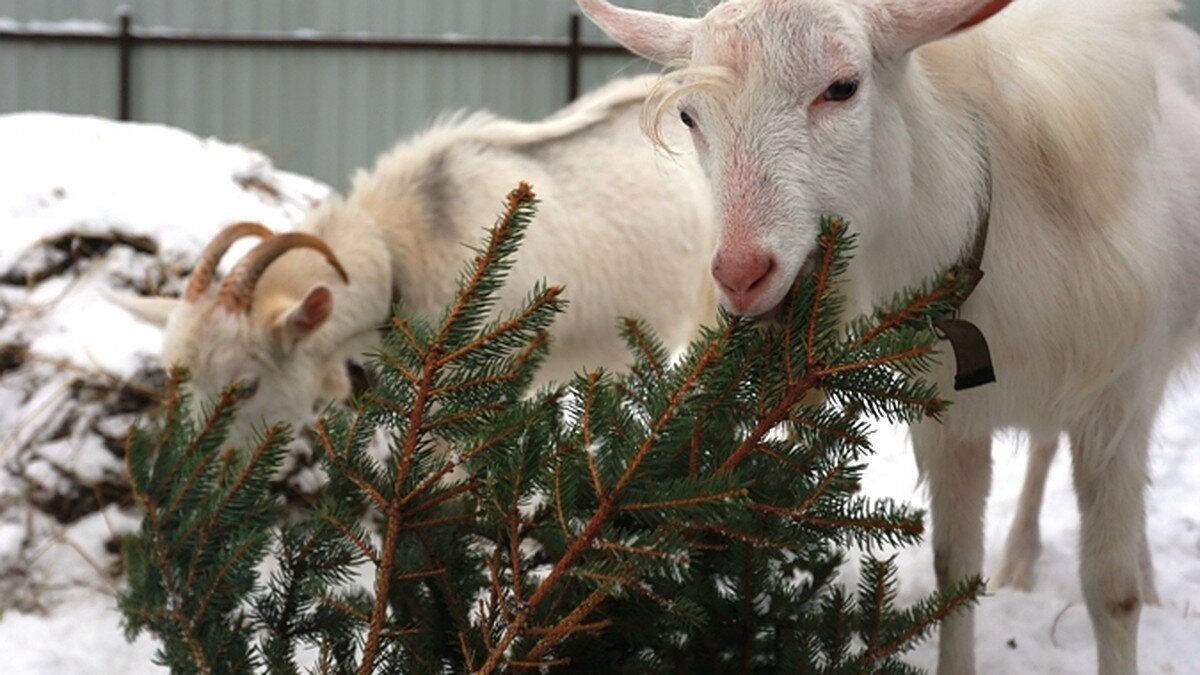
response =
{"points": [[77, 358], [88, 206], [1047, 630]]}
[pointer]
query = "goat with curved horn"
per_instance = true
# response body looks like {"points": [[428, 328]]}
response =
{"points": [[285, 326], [210, 257], [237, 291]]}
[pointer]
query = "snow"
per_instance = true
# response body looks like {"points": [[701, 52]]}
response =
{"points": [[78, 310], [1048, 630], [90, 207], [81, 637], [171, 184], [57, 614]]}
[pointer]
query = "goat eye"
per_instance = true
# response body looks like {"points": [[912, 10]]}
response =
{"points": [[687, 119], [247, 389], [840, 90]]}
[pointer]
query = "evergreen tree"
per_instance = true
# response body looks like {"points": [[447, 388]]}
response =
{"points": [[688, 516]]}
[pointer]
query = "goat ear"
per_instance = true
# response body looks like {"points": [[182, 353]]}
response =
{"points": [[658, 37], [154, 311], [308, 315], [899, 26]]}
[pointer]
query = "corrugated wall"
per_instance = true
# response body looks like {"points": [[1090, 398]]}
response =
{"points": [[321, 113]]}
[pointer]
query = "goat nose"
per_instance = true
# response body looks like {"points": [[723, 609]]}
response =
{"points": [[742, 276]]}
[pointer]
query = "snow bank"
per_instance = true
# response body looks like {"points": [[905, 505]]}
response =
{"points": [[86, 206], [138, 201], [64, 173]]}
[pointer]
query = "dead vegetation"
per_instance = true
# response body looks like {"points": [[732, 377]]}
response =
{"points": [[63, 423], [64, 254], [64, 420]]}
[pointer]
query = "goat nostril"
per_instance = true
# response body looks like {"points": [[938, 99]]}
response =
{"points": [[766, 274], [738, 275]]}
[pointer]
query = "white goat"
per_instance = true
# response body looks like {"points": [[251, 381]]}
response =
{"points": [[1082, 115], [623, 228]]}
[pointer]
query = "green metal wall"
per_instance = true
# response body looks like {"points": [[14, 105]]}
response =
{"points": [[318, 112]]}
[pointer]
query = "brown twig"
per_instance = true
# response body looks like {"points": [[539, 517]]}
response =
{"points": [[687, 501], [633, 550], [395, 516], [441, 498], [891, 320], [399, 367], [827, 242], [794, 395], [433, 361], [759, 542], [586, 426], [643, 345], [951, 607], [608, 505], [208, 527], [551, 296], [414, 525], [882, 360], [401, 326], [161, 554], [215, 585], [569, 625], [341, 459], [362, 546]]}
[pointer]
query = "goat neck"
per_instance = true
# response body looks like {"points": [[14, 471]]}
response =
{"points": [[931, 188]]}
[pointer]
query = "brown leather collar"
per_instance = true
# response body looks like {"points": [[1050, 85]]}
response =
{"points": [[361, 378], [972, 356]]}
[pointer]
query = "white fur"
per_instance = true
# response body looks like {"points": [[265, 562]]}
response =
{"points": [[1024, 543], [623, 228], [1086, 114]]}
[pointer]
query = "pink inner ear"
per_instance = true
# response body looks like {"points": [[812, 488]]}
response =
{"points": [[986, 12], [903, 25], [313, 312]]}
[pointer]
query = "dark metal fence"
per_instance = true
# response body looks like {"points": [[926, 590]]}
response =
{"points": [[127, 37]]}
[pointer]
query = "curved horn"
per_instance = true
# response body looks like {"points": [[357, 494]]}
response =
{"points": [[206, 266], [237, 291]]}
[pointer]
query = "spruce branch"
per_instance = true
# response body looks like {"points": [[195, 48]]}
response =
{"points": [[922, 618], [571, 624], [687, 516], [200, 540], [608, 504], [467, 310]]}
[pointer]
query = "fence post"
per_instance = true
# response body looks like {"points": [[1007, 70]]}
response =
{"points": [[124, 63], [574, 57]]}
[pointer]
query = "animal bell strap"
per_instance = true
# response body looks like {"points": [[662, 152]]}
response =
{"points": [[973, 358], [362, 379]]}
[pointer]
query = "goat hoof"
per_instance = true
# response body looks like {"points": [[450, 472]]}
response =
{"points": [[1017, 575]]}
